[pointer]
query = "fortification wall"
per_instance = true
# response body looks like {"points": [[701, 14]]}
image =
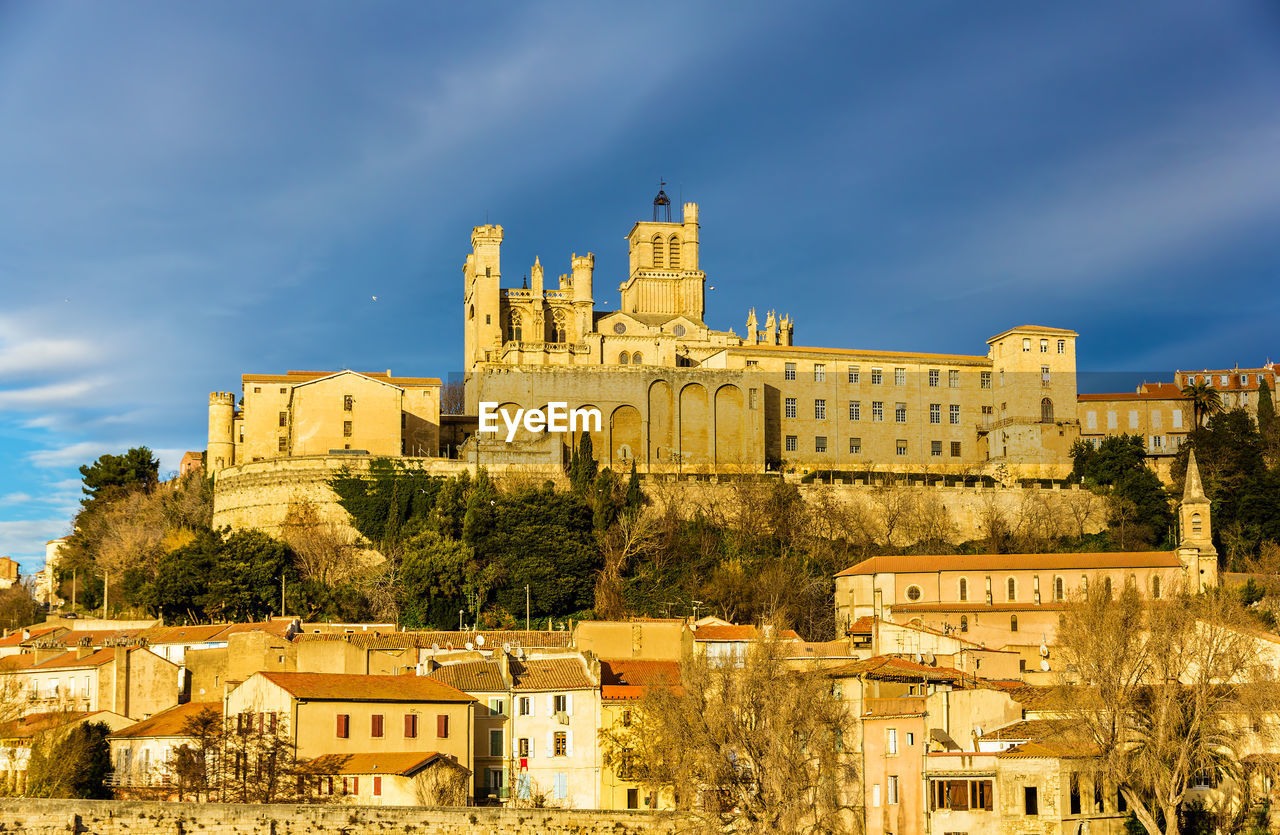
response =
{"points": [[112, 817]]}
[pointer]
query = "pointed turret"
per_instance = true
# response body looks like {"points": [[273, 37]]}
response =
{"points": [[1195, 546], [1193, 489]]}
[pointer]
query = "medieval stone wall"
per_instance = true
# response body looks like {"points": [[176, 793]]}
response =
{"points": [[109, 817]]}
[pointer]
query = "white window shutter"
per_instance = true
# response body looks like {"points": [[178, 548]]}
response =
{"points": [[551, 704], [533, 747], [551, 744], [568, 703], [568, 743]]}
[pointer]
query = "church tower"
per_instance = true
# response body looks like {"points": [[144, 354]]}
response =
{"points": [[664, 277], [482, 320], [1195, 541]]}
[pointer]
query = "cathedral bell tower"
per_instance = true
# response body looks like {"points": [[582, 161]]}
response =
{"points": [[1195, 541]]}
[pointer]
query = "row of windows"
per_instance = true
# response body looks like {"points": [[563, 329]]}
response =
{"points": [[792, 443], [557, 328], [377, 725], [1044, 346], [914, 593], [877, 375], [790, 410], [671, 248], [1156, 416]]}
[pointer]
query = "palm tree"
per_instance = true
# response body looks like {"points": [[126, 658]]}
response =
{"points": [[1205, 400]]}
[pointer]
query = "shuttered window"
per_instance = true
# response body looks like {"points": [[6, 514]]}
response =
{"points": [[410, 726], [344, 726], [442, 726]]}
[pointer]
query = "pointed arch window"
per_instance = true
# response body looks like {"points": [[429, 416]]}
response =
{"points": [[515, 328], [1155, 588], [659, 252], [1046, 411], [964, 623], [674, 260], [964, 589], [559, 327], [1012, 588], [637, 358], [624, 358], [1059, 590]]}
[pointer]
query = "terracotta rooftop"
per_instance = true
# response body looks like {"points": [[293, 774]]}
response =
{"points": [[892, 668], [171, 722], [357, 688], [1023, 731], [551, 674], [493, 639], [858, 352], [471, 676], [69, 661], [717, 632], [628, 671], [11, 663], [1012, 562], [818, 649], [33, 723], [16, 638], [862, 626], [404, 764], [1131, 395], [88, 637]]}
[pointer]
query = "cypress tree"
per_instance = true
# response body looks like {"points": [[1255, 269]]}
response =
{"points": [[1266, 409]]}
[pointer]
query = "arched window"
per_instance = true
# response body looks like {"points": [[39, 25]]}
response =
{"points": [[1106, 587], [1013, 623], [559, 327], [1012, 589], [515, 328], [1059, 590], [913, 593], [624, 358], [1084, 584], [674, 260], [964, 623], [659, 251], [1155, 588], [964, 589], [1046, 411], [1195, 523], [637, 358]]}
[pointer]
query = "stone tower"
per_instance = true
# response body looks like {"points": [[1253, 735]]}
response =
{"points": [[222, 449], [664, 275], [482, 273], [1195, 542]]}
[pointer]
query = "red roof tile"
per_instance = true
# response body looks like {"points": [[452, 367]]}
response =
{"points": [[171, 722], [471, 676], [405, 764], [626, 671], [716, 632], [1012, 562], [35, 632], [551, 674], [359, 688]]}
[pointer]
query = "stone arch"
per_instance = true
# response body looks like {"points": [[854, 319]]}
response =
{"points": [[624, 358], [658, 252], [625, 436], [599, 440], [729, 442], [1046, 410], [695, 428], [661, 426]]}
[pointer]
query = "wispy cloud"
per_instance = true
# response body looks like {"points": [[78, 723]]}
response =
{"points": [[70, 393], [71, 454], [19, 357], [25, 539]]}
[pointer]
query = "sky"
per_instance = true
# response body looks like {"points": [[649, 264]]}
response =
{"points": [[189, 192]]}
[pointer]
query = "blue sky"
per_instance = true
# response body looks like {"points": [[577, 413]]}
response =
{"points": [[193, 191]]}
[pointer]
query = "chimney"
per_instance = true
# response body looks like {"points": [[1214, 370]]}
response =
{"points": [[506, 669], [120, 681], [83, 651]]}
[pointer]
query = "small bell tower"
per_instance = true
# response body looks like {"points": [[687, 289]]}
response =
{"points": [[1195, 541]]}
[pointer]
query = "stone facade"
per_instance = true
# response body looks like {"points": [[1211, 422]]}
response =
{"points": [[106, 817]]}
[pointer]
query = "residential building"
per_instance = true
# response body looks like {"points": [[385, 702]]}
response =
{"points": [[623, 683], [142, 753]]}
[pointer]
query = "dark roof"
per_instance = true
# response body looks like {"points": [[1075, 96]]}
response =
{"points": [[471, 676], [359, 688]]}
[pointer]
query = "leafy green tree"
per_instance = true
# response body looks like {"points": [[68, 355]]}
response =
{"points": [[114, 473], [382, 500], [583, 466], [1205, 400], [245, 583], [1266, 409], [635, 499], [70, 762], [433, 580], [607, 501], [182, 577], [1140, 508]]}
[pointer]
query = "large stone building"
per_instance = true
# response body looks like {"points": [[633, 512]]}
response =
{"points": [[677, 395]]}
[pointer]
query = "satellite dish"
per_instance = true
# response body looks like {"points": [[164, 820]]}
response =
{"points": [[1044, 664], [977, 730], [435, 647], [479, 640], [506, 648], [520, 653], [1044, 650], [919, 658], [931, 659], [470, 646]]}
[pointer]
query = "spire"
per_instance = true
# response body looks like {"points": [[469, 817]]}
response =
{"points": [[1193, 490]]}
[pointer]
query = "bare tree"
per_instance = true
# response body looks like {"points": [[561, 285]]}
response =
{"points": [[746, 743], [632, 536], [441, 784], [326, 550], [453, 398], [1162, 691]]}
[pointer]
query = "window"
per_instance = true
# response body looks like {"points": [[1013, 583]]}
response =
{"points": [[935, 413], [497, 707], [753, 399], [877, 411], [855, 410], [935, 448], [891, 741], [789, 407], [561, 785], [820, 409], [891, 789], [495, 742], [1046, 410], [343, 726], [964, 589], [515, 328], [953, 414], [899, 376], [819, 373], [955, 449], [964, 623], [877, 377], [637, 358], [985, 379], [902, 447], [1133, 418], [911, 739], [855, 446], [284, 418], [377, 786], [1013, 623], [560, 744], [1111, 419], [1059, 590], [633, 798], [673, 247], [1062, 346], [1155, 587], [913, 593], [559, 327], [375, 725], [1195, 523], [523, 746], [283, 445], [624, 358], [1031, 801], [854, 375], [1044, 375], [1026, 346], [875, 795], [791, 443], [820, 443], [1012, 588], [526, 706], [1091, 419], [560, 703], [442, 726], [789, 371], [257, 389], [953, 378], [935, 377], [1044, 346], [659, 252], [346, 429], [900, 413]]}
